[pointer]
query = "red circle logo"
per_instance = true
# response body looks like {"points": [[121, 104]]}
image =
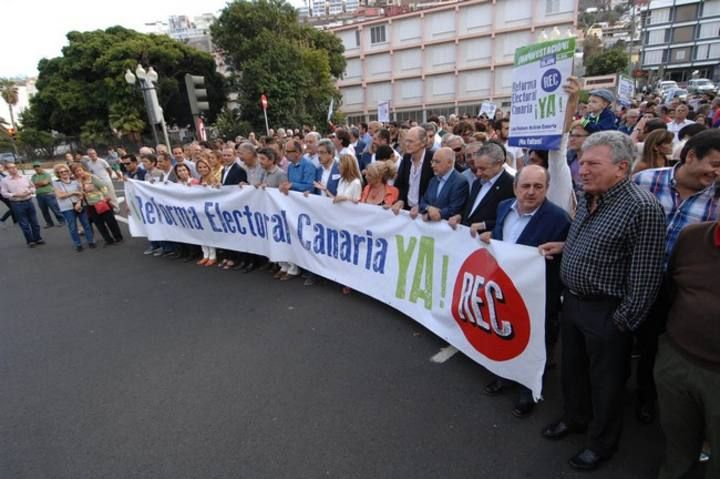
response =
{"points": [[490, 311]]}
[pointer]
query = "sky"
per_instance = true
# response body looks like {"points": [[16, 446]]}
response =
{"points": [[35, 29]]}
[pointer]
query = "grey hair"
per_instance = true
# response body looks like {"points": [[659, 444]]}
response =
{"points": [[328, 144], [622, 147], [313, 134], [450, 138], [493, 151], [248, 147], [430, 126]]}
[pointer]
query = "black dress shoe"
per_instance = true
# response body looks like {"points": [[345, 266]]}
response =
{"points": [[645, 413], [586, 460], [494, 388], [523, 407], [560, 429]]}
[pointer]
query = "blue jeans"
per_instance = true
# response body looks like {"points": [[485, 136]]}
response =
{"points": [[70, 220], [26, 216], [47, 204]]}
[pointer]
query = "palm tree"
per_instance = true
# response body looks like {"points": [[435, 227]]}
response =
{"points": [[9, 93]]}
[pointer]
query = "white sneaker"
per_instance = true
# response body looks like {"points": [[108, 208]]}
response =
{"points": [[149, 251]]}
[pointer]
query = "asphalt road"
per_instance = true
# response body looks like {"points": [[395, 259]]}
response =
{"points": [[118, 365]]}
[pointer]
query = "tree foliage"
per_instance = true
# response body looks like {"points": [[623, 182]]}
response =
{"points": [[614, 60], [293, 64], [84, 92]]}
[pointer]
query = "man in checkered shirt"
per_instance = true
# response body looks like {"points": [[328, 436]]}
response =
{"points": [[688, 193], [612, 267]]}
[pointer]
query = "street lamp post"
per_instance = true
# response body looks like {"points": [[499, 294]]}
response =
{"points": [[152, 106]]}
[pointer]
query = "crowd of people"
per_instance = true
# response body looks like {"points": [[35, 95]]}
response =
{"points": [[625, 213]]}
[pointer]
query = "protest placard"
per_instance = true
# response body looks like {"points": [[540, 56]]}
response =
{"points": [[538, 101]]}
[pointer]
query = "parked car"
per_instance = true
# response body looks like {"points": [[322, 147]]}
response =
{"points": [[673, 93], [666, 85], [10, 158], [701, 85]]}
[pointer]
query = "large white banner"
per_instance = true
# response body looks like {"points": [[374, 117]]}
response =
{"points": [[538, 100], [488, 302]]}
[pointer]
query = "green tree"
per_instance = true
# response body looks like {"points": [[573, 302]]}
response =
{"points": [[293, 64], [9, 93], [35, 143], [614, 60], [85, 87]]}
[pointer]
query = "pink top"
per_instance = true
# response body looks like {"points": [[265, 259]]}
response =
{"points": [[17, 188]]}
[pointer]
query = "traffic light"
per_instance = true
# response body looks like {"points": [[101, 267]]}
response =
{"points": [[197, 94]]}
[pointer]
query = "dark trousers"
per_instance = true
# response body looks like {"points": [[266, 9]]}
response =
{"points": [[689, 412], [647, 345], [106, 224], [595, 362], [26, 216], [9, 212], [48, 204]]}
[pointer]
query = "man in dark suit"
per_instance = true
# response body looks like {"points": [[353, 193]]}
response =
{"points": [[327, 175], [415, 170], [493, 184], [447, 192], [531, 219], [232, 173]]}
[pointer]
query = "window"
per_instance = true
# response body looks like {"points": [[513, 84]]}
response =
{"points": [[377, 34], [679, 55], [552, 6], [656, 37], [683, 34], [714, 51], [661, 15], [357, 38], [686, 13], [709, 30], [653, 57], [701, 52]]}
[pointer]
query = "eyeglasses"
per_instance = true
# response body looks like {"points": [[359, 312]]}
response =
{"points": [[290, 151], [435, 162], [575, 135]]}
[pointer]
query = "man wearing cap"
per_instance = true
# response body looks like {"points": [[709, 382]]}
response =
{"points": [[600, 117], [46, 196]]}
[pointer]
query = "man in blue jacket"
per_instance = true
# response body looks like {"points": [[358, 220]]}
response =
{"points": [[447, 192], [530, 219], [327, 175]]}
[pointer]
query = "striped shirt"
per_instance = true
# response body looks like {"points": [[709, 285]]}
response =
{"points": [[617, 250], [701, 206]]}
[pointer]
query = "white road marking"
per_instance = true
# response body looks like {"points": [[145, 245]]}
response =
{"points": [[444, 354]]}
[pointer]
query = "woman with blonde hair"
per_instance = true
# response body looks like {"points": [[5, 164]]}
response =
{"points": [[378, 191], [350, 186], [207, 178], [69, 194], [657, 150]]}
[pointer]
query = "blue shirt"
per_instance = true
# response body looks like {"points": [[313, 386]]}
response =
{"points": [[301, 175], [701, 206], [442, 180], [515, 223]]}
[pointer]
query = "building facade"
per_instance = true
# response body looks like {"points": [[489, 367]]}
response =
{"points": [[442, 60], [682, 37]]}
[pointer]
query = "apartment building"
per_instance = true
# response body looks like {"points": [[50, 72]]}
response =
{"points": [[444, 59], [682, 37]]}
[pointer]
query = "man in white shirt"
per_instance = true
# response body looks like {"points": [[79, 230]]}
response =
{"points": [[311, 148], [179, 155], [680, 120], [515, 154]]}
